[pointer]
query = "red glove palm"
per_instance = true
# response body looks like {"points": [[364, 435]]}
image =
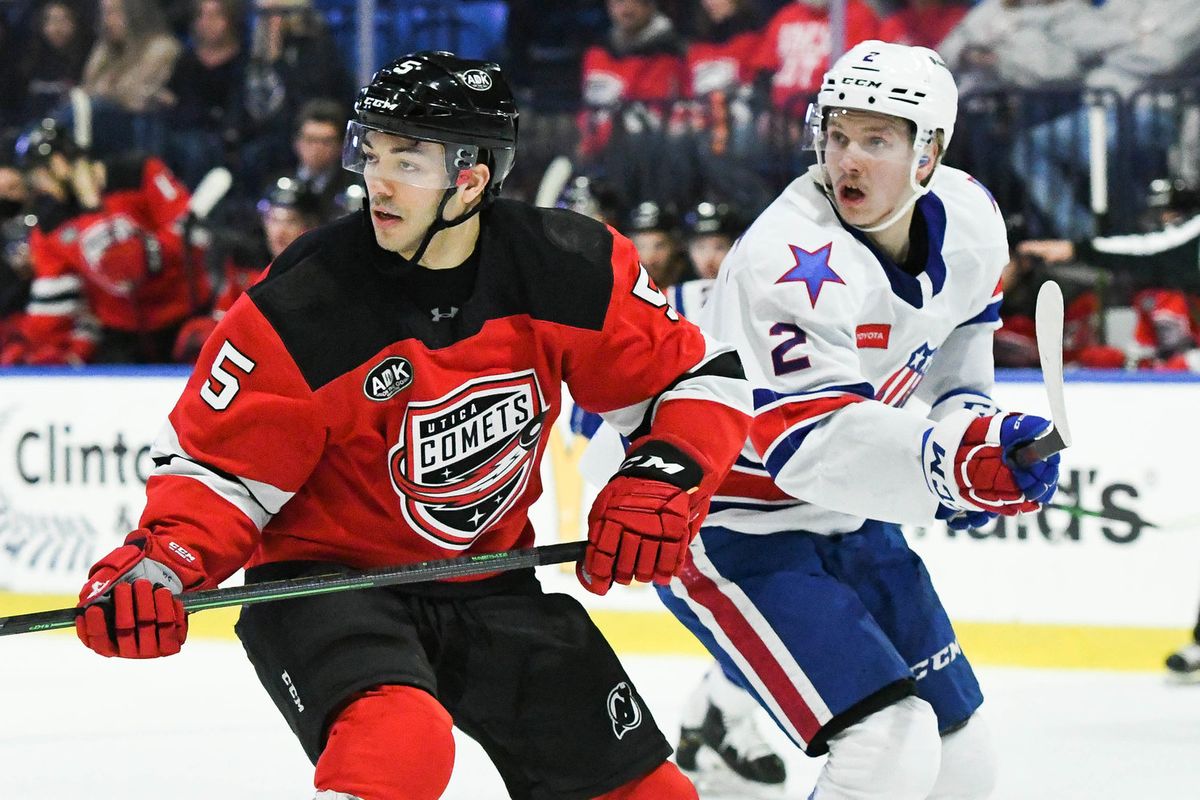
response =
{"points": [[130, 607], [641, 524]]}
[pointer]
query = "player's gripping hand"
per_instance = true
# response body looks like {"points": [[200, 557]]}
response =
{"points": [[967, 465], [642, 521], [130, 606]]}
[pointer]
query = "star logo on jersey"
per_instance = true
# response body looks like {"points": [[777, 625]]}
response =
{"points": [[896, 390], [918, 360], [464, 460], [812, 269]]}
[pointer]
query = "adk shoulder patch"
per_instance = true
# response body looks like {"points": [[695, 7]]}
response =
{"points": [[388, 378]]}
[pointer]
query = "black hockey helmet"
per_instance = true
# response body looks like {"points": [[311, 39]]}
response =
{"points": [[708, 219], [1172, 194], [436, 96], [293, 194], [47, 137], [649, 216]]}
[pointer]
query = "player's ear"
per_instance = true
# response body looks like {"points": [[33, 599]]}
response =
{"points": [[472, 183], [929, 159]]}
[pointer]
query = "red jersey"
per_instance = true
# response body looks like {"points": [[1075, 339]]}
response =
{"points": [[331, 419], [797, 46], [122, 264], [923, 27], [655, 75], [725, 65]]}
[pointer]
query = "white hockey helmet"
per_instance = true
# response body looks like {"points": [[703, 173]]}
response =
{"points": [[903, 81]]}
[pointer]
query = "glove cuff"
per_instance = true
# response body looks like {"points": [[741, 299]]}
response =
{"points": [[657, 460], [939, 449]]}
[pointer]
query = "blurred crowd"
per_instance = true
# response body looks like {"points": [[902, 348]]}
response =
{"points": [[681, 119]]}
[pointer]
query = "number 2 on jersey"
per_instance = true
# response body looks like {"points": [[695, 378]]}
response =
{"points": [[779, 357]]}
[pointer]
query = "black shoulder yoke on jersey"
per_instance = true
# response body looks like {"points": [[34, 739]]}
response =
{"points": [[336, 298]]}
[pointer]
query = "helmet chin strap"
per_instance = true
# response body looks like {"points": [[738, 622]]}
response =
{"points": [[440, 224], [917, 192]]}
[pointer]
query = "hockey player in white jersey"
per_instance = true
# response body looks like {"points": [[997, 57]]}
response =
{"points": [[872, 279]]}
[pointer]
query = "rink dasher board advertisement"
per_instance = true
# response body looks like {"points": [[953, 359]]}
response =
{"points": [[74, 455]]}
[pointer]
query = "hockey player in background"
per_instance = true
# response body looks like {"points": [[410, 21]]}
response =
{"points": [[871, 279], [383, 396], [289, 209], [111, 281]]}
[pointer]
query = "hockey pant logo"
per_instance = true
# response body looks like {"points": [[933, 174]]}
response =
{"points": [[623, 709], [938, 661], [464, 460], [291, 687]]}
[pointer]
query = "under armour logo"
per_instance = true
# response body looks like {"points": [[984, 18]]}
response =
{"points": [[439, 315]]}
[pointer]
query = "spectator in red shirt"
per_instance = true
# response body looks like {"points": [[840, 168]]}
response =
{"points": [[641, 60], [722, 55], [922, 22], [798, 43]]}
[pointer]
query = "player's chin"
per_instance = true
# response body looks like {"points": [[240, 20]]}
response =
{"points": [[858, 214]]}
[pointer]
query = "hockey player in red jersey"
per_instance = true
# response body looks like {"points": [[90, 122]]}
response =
{"points": [[383, 396], [111, 281]]}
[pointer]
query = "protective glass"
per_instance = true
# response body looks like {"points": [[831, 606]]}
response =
{"points": [[863, 135], [414, 162]]}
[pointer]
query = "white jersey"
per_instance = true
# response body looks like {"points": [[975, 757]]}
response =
{"points": [[836, 338]]}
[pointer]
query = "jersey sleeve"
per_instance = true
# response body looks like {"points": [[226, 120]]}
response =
{"points": [[56, 327], [240, 442], [816, 426], [963, 373], [652, 374]]}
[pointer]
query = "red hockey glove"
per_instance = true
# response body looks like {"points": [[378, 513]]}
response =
{"points": [[974, 473], [643, 520], [131, 608]]}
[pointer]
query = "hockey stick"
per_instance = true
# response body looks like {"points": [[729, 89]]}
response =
{"points": [[212, 187], [1048, 321], [209, 191], [268, 591], [81, 113], [554, 180]]}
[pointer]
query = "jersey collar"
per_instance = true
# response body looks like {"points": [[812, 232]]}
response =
{"points": [[915, 290]]}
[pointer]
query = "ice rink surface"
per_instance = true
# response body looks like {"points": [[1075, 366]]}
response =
{"points": [[199, 727]]}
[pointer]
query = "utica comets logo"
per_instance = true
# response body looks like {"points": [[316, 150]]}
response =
{"points": [[464, 459]]}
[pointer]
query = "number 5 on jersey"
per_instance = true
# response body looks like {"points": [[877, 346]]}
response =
{"points": [[227, 383]]}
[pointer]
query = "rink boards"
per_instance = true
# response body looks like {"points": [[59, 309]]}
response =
{"points": [[1113, 585]]}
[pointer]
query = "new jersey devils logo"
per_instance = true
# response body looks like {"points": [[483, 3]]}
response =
{"points": [[464, 459], [623, 709]]}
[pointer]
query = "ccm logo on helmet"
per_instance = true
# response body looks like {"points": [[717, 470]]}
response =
{"points": [[862, 82], [476, 79], [377, 102]]}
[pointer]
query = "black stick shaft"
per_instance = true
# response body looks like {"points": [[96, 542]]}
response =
{"points": [[323, 584], [1030, 453]]}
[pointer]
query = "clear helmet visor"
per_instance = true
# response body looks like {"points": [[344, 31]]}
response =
{"points": [[861, 137], [377, 154]]}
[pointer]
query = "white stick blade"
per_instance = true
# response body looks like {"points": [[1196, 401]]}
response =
{"points": [[1048, 320], [209, 191]]}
